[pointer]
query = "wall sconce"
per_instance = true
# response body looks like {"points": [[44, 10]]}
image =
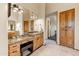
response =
{"points": [[33, 16], [16, 8]]}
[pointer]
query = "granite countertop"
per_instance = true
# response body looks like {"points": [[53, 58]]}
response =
{"points": [[24, 38], [20, 39], [34, 33]]}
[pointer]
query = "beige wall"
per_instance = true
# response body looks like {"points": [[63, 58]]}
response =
{"points": [[41, 14], [3, 30], [50, 8]]}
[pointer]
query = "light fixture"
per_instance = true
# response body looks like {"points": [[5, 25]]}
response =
{"points": [[16, 8], [33, 16], [20, 11]]}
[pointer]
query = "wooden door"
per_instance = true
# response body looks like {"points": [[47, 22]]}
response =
{"points": [[26, 26], [67, 28], [62, 29], [70, 27]]}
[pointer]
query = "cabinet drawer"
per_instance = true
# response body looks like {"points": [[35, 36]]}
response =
{"points": [[13, 46], [14, 50], [15, 54]]}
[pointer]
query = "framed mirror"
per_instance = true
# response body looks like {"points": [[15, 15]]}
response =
{"points": [[11, 25]]}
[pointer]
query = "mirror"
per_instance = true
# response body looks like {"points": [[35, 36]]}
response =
{"points": [[32, 25], [11, 25]]}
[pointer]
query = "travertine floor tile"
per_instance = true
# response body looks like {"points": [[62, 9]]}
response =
{"points": [[52, 49]]}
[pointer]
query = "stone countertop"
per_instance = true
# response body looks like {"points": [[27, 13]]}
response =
{"points": [[23, 38], [34, 33], [20, 40]]}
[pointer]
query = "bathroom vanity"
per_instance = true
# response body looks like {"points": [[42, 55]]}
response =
{"points": [[25, 45]]}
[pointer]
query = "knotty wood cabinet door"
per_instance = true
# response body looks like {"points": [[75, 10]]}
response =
{"points": [[67, 28], [38, 41]]}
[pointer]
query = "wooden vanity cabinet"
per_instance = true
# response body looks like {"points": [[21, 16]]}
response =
{"points": [[38, 41], [14, 49]]}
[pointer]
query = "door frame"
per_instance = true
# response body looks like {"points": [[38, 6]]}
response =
{"points": [[53, 13]]}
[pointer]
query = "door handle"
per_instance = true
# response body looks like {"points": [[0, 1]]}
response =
{"points": [[69, 27], [65, 26], [65, 29]]}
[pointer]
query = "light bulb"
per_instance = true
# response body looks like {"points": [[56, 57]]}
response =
{"points": [[21, 11], [14, 10]]}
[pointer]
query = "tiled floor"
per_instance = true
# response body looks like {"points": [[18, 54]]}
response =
{"points": [[52, 49]]}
